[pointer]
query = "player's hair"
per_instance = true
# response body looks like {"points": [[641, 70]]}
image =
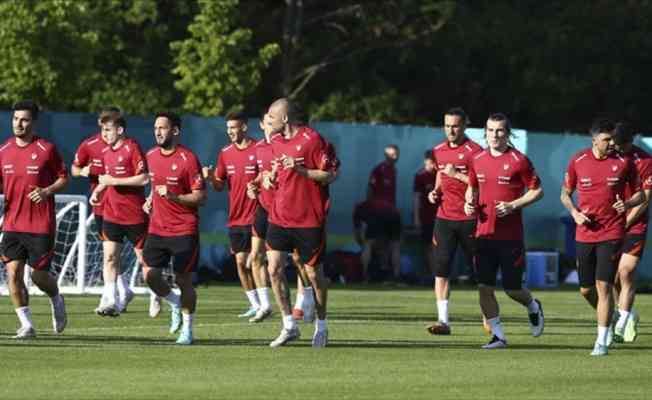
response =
{"points": [[428, 155], [173, 118], [108, 111], [27, 105], [623, 133], [500, 117], [459, 112], [602, 125], [236, 116], [392, 146], [116, 118]]}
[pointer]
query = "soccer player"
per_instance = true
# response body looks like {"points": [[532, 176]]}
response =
{"points": [[236, 167], [636, 224], [599, 175], [297, 216], [502, 181], [177, 193], [122, 195], [375, 224], [89, 164], [453, 227], [423, 210], [31, 172]]}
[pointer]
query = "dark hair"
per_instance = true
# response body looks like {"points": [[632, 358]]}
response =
{"points": [[110, 111], [116, 118], [623, 133], [27, 105], [500, 117], [602, 125], [458, 112], [174, 119], [392, 146], [428, 155], [236, 116]]}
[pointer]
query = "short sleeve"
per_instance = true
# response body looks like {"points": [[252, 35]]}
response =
{"points": [[570, 177], [194, 175], [645, 173], [82, 156], [473, 177], [220, 170], [528, 175], [138, 162], [56, 165]]}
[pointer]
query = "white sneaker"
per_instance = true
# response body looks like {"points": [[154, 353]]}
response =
{"points": [[287, 335], [25, 332], [109, 310], [495, 343], [59, 317], [154, 305], [320, 338], [123, 302], [261, 315], [536, 321]]}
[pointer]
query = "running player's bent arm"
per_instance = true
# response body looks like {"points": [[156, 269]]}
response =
{"points": [[567, 200], [57, 186], [635, 212], [136, 180], [637, 199], [529, 197], [79, 171], [315, 174], [195, 199]]}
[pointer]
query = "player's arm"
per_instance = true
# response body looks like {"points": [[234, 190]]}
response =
{"points": [[452, 172], [141, 179], [531, 196], [567, 201], [194, 199], [77, 171], [470, 200], [55, 164], [635, 212], [317, 175]]}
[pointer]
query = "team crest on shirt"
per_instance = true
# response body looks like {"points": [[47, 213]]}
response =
{"points": [[120, 159], [34, 156], [461, 156], [174, 167], [251, 157], [299, 148], [506, 167], [614, 168]]}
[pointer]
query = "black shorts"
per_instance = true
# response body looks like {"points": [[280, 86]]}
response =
{"points": [[386, 227], [506, 255], [634, 244], [597, 261], [309, 242], [261, 223], [117, 232], [426, 233], [34, 248], [98, 221], [240, 238], [183, 250], [446, 236]]}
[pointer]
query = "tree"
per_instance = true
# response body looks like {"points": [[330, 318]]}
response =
{"points": [[217, 65]]}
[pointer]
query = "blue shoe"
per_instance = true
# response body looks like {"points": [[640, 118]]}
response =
{"points": [[175, 319], [600, 350], [185, 338], [251, 312]]}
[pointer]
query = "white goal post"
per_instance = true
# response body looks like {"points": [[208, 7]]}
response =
{"points": [[77, 260]]}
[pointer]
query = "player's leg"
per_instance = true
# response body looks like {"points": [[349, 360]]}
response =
{"points": [[111, 250], [304, 306], [605, 274], [14, 256], [279, 243], [365, 257], [185, 251], [626, 326], [512, 265], [487, 266], [427, 232], [156, 256], [261, 279], [240, 238], [311, 244], [445, 241], [586, 264]]}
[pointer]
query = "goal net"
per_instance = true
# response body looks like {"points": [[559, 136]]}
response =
{"points": [[77, 260]]}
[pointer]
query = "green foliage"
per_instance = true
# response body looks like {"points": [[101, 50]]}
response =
{"points": [[217, 65]]}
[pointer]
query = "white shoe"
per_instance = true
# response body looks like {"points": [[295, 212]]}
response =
{"points": [[495, 343], [261, 315], [536, 321], [25, 332], [287, 335], [123, 302], [320, 338], [154, 305], [59, 317], [109, 310]]}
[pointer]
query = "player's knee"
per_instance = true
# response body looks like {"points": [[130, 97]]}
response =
{"points": [[13, 276], [587, 291], [183, 280], [274, 271]]}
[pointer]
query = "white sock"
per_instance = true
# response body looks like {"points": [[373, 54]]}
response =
{"points": [[622, 320], [321, 325], [24, 316], [308, 295], [442, 311], [288, 322], [602, 335], [533, 307], [187, 321], [496, 328], [299, 303], [123, 285], [110, 292], [173, 299], [263, 297], [253, 298]]}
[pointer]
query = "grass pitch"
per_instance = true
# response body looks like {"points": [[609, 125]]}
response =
{"points": [[379, 349]]}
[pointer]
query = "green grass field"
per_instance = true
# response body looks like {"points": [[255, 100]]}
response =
{"points": [[378, 349]]}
